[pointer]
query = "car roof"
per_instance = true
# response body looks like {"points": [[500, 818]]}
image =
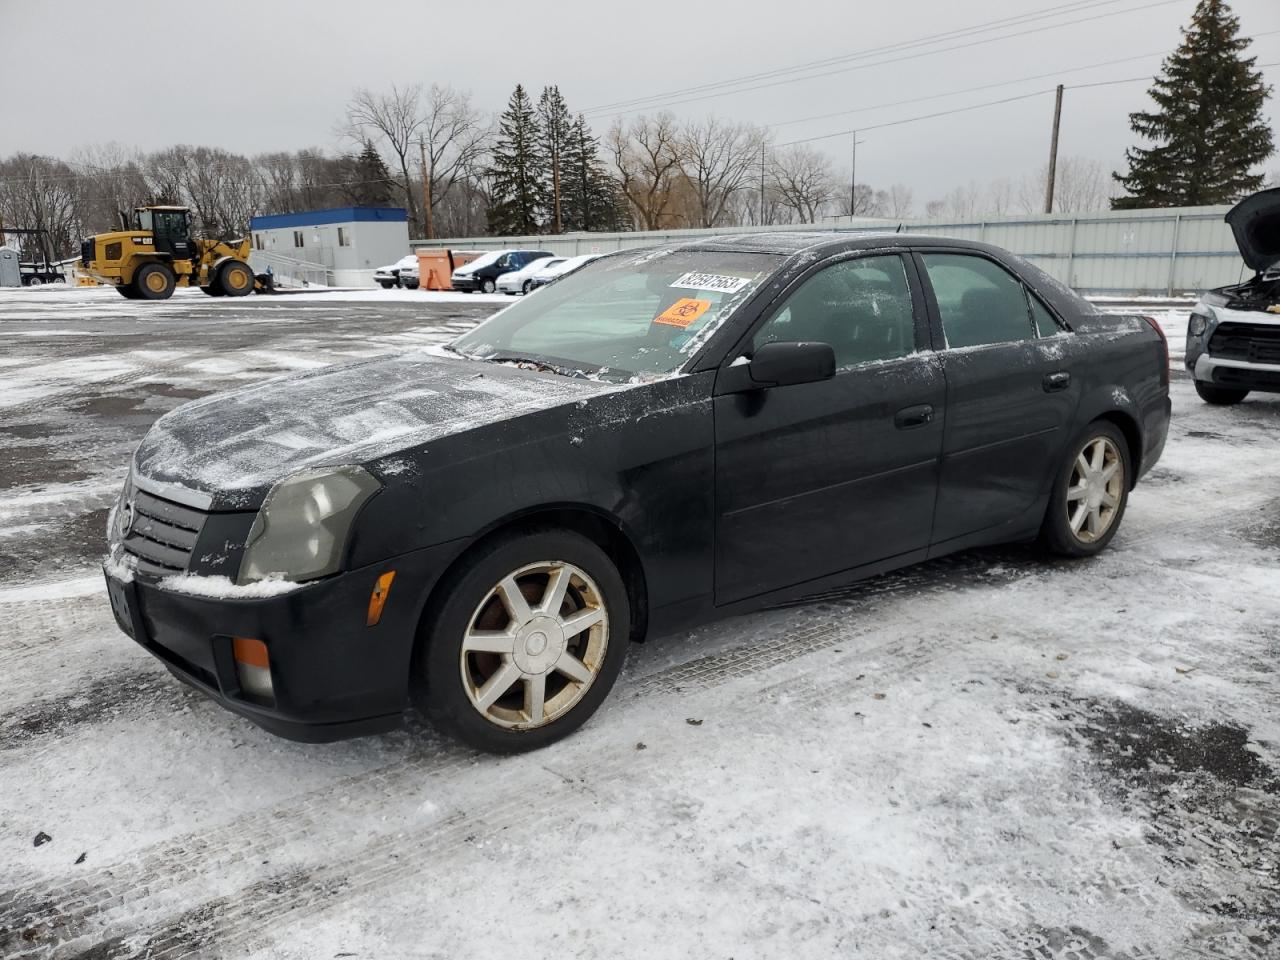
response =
{"points": [[791, 243]]}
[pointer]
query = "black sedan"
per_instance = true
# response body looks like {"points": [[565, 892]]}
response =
{"points": [[665, 436]]}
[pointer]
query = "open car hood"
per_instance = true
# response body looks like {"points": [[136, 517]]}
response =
{"points": [[1255, 221]]}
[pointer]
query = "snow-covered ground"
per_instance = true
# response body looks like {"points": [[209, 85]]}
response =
{"points": [[990, 755]]}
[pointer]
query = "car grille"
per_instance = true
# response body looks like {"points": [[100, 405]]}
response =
{"points": [[1247, 378], [1254, 342], [162, 534]]}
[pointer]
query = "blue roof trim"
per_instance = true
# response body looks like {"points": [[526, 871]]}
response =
{"points": [[314, 218]]}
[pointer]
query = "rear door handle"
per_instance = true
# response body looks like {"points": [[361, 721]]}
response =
{"points": [[1054, 382], [909, 417]]}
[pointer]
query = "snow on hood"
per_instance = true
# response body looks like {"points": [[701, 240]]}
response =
{"points": [[235, 445], [1255, 221]]}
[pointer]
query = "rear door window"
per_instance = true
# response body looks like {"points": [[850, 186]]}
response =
{"points": [[978, 300]]}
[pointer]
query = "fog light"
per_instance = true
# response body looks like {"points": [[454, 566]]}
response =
{"points": [[253, 666]]}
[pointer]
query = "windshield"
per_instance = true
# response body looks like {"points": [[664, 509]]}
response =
{"points": [[640, 314], [481, 261]]}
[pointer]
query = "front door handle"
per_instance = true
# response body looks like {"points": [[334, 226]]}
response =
{"points": [[1054, 382], [909, 417]]}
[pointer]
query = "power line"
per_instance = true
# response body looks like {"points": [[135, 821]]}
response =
{"points": [[1072, 7], [879, 63], [985, 86], [863, 128]]}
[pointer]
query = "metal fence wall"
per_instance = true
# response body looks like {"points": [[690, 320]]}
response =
{"points": [[1119, 252]]}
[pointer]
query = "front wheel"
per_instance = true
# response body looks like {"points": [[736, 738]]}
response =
{"points": [[526, 642], [235, 278], [386, 284], [528, 285], [1219, 396], [488, 286], [1089, 494]]}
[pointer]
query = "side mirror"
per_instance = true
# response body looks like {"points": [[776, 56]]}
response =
{"points": [[787, 362]]}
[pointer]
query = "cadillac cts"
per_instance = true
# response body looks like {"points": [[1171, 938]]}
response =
{"points": [[662, 437]]}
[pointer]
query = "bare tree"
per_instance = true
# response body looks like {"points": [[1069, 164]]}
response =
{"points": [[394, 118], [453, 137], [1081, 185], [39, 193], [719, 159], [935, 209], [110, 182], [1000, 199], [899, 200], [804, 180], [963, 203], [646, 155]]}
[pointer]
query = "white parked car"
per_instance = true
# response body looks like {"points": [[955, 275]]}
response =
{"points": [[390, 275], [519, 281], [1233, 336], [554, 272]]}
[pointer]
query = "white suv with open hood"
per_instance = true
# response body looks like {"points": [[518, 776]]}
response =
{"points": [[1233, 339]]}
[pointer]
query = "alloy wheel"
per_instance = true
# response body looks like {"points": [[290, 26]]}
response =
{"points": [[1095, 490], [534, 645]]}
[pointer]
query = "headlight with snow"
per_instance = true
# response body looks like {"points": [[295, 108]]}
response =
{"points": [[301, 530], [1200, 319]]}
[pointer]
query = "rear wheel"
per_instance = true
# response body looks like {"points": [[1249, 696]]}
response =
{"points": [[526, 642], [214, 289], [35, 282], [154, 281], [1219, 396], [1089, 494], [127, 291], [386, 284], [235, 278]]}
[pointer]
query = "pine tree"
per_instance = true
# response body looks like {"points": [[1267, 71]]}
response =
{"points": [[555, 129], [517, 171], [1209, 130], [369, 182], [590, 197]]}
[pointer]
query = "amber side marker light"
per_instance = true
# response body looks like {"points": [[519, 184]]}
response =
{"points": [[378, 599], [253, 666]]}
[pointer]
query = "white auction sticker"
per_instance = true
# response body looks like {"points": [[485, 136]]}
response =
{"points": [[711, 281]]}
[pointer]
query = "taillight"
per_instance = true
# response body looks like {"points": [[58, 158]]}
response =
{"points": [[1164, 342]]}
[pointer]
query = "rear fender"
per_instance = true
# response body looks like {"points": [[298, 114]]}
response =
{"points": [[1114, 402]]}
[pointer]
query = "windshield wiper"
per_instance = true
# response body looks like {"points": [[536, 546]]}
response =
{"points": [[537, 363]]}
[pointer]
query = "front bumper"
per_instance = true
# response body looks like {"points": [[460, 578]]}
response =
{"points": [[1236, 374], [333, 677], [464, 284]]}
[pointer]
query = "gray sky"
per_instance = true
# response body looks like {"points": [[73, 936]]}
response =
{"points": [[275, 74]]}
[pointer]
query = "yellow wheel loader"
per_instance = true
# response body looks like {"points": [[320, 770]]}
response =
{"points": [[159, 254]]}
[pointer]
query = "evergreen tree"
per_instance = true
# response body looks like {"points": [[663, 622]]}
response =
{"points": [[555, 128], [368, 179], [590, 198], [517, 172], [1208, 129]]}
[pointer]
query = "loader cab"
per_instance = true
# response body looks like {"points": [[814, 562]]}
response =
{"points": [[170, 230]]}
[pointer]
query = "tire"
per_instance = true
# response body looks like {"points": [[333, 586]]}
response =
{"points": [[154, 281], [127, 291], [1219, 396], [1077, 487], [528, 285], [35, 282], [386, 284], [452, 680], [410, 284], [235, 278], [214, 289], [488, 286]]}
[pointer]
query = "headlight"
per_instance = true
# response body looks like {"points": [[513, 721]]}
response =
{"points": [[1200, 318], [300, 532]]}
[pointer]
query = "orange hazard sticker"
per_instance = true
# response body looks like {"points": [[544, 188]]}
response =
{"points": [[683, 312]]}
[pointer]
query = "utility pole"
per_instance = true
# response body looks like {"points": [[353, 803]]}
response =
{"points": [[853, 177], [427, 223], [1053, 152]]}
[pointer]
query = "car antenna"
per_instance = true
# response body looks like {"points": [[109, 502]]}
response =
{"points": [[899, 230]]}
